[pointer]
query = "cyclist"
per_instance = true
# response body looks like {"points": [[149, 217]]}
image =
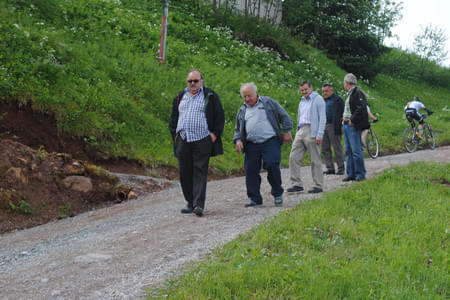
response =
{"points": [[412, 112]]}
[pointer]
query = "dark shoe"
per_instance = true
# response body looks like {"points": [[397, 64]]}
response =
{"points": [[359, 179], [187, 210], [295, 189], [251, 203], [198, 211], [329, 172], [315, 190], [340, 172], [348, 179], [278, 201]]}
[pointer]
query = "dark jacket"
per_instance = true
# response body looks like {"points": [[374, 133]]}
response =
{"points": [[215, 118], [275, 114], [358, 108], [338, 110]]}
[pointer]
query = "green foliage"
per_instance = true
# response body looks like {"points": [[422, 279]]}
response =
{"points": [[23, 207], [410, 66], [383, 238], [41, 153], [350, 31], [430, 44], [94, 66]]}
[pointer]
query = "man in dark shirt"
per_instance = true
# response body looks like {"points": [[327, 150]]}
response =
{"points": [[333, 130]]}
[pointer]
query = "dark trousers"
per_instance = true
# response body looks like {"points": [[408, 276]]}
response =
{"points": [[330, 138], [270, 153], [193, 160]]}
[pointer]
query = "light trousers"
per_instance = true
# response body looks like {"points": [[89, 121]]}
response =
{"points": [[303, 142]]}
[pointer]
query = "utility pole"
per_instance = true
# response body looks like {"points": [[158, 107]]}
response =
{"points": [[162, 43]]}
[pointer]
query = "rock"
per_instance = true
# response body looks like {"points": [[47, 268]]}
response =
{"points": [[132, 195], [78, 183], [23, 161], [105, 186], [75, 168], [16, 174]]}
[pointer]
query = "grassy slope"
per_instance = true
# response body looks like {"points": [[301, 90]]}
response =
{"points": [[93, 64], [386, 238]]}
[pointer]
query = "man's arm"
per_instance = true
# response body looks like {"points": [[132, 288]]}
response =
{"points": [[174, 118], [322, 111], [219, 118]]}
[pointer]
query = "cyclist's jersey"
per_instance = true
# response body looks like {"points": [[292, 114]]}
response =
{"points": [[414, 105]]}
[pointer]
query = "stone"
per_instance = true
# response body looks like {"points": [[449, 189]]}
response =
{"points": [[16, 174], [78, 183], [75, 168]]}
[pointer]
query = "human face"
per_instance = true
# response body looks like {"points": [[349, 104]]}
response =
{"points": [[250, 97], [194, 82], [346, 86], [306, 90], [327, 92]]}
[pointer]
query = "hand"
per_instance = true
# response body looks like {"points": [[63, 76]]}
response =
{"points": [[318, 140], [287, 137], [376, 120], [213, 137], [239, 146]]}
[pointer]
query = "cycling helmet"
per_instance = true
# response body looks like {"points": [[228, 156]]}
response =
{"points": [[417, 99]]}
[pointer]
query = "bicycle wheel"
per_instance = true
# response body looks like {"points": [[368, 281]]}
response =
{"points": [[410, 141], [429, 136], [372, 144]]}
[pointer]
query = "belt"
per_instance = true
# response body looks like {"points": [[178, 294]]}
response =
{"points": [[346, 122]]}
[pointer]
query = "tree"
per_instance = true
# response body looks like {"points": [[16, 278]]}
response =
{"points": [[350, 31], [430, 44]]}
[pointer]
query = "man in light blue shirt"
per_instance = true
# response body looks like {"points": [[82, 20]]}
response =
{"points": [[310, 129], [258, 133]]}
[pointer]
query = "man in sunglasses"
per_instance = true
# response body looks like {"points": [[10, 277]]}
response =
{"points": [[196, 125]]}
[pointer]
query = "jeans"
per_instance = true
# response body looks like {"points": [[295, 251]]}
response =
{"points": [[353, 153], [270, 153]]}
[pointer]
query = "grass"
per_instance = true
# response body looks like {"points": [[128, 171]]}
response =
{"points": [[385, 238], [93, 65]]}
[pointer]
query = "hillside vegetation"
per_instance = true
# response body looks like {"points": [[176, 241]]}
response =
{"points": [[93, 65]]}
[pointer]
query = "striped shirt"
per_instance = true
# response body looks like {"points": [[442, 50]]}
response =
{"points": [[192, 124]]}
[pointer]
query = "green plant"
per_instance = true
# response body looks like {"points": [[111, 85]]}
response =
{"points": [[64, 211], [41, 153], [100, 78], [382, 238], [25, 207]]}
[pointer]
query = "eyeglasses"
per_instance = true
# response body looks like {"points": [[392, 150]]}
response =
{"points": [[193, 80]]}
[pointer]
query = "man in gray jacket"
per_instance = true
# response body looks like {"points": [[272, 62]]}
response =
{"points": [[310, 128], [258, 133]]}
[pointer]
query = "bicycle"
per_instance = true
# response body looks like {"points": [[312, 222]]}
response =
{"points": [[412, 138], [371, 142]]}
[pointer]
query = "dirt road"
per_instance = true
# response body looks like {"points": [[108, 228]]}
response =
{"points": [[116, 252]]}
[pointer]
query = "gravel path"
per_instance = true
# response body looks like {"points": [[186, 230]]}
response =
{"points": [[116, 252]]}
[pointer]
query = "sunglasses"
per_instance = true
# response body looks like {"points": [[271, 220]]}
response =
{"points": [[193, 80]]}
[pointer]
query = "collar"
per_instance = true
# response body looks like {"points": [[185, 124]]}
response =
{"points": [[199, 91], [257, 102]]}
